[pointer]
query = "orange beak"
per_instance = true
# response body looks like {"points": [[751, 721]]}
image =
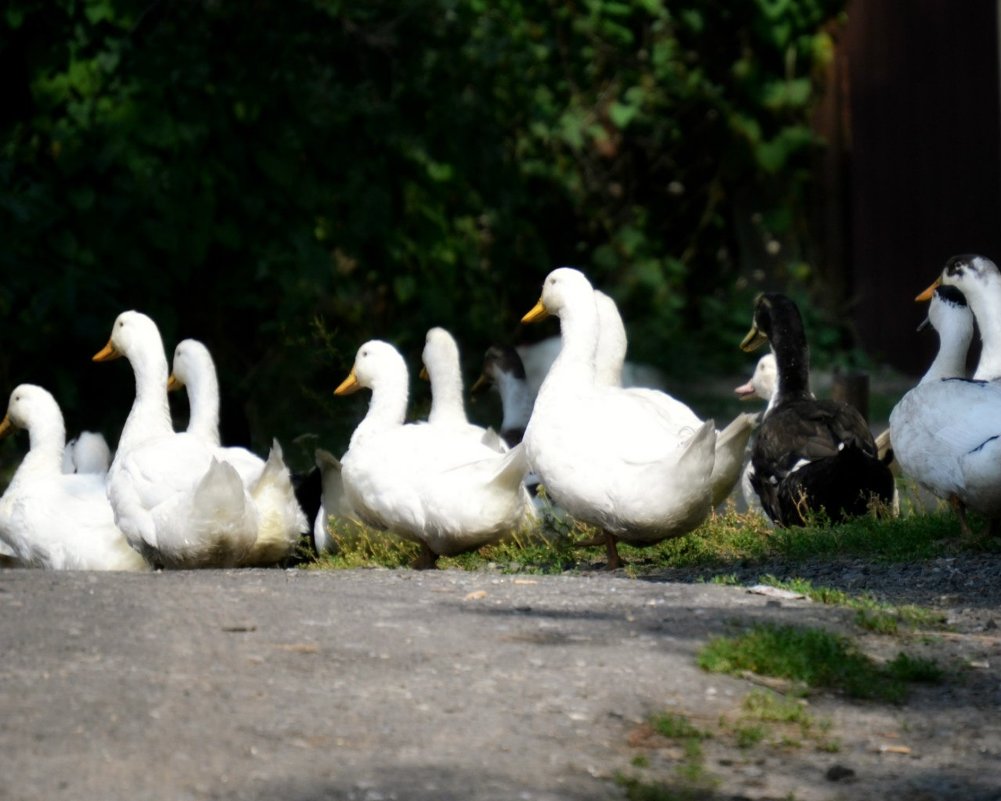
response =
{"points": [[536, 313], [106, 354], [348, 385], [927, 294]]}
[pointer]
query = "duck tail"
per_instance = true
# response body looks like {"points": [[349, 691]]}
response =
{"points": [[281, 519], [222, 515], [512, 467]]}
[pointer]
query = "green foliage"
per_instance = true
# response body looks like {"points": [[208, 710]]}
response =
{"points": [[287, 183]]}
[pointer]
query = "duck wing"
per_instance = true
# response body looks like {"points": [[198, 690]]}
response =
{"points": [[820, 450]]}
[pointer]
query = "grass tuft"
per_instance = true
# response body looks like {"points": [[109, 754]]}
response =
{"points": [[815, 657], [676, 727]]}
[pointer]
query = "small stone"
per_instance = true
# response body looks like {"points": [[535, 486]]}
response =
{"points": [[838, 773]]}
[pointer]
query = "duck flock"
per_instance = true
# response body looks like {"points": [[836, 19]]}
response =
{"points": [[634, 463]]}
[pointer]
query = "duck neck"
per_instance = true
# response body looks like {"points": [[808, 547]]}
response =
{"points": [[447, 406], [203, 402], [986, 307], [612, 345], [792, 362], [574, 367], [386, 409], [150, 413], [950, 361], [47, 436]]}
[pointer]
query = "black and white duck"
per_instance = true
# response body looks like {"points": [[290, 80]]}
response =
{"points": [[947, 431], [810, 455]]}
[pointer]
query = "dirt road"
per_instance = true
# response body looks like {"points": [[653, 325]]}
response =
{"points": [[376, 684]]}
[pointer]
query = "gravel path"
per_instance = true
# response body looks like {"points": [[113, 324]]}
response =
{"points": [[372, 685]]}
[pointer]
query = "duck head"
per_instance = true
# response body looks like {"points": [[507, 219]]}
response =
{"points": [[968, 272], [130, 328]]}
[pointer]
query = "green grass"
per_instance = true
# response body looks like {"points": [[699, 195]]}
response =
{"points": [[692, 780], [360, 546], [779, 720], [772, 708], [676, 727], [815, 658], [724, 540], [870, 614]]}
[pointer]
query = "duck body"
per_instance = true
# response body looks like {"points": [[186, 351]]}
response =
{"points": [[51, 519], [819, 450], [611, 457], [87, 453], [809, 455], [175, 500], [643, 483], [947, 436], [426, 483], [610, 359], [268, 481]]}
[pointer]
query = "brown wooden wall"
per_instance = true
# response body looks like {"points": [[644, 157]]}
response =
{"points": [[924, 170]]}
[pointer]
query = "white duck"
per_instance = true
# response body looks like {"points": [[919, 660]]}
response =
{"points": [[946, 432], [333, 502], [87, 453], [175, 501], [442, 368], [269, 482], [731, 442], [611, 457], [50, 519], [761, 385], [427, 484]]}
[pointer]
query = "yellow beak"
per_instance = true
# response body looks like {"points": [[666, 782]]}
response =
{"points": [[106, 354], [537, 313], [481, 383], [6, 427], [754, 339], [424, 374], [173, 383], [348, 385], [926, 295]]}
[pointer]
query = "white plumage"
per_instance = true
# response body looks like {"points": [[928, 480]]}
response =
{"points": [[51, 519], [608, 456], [444, 490], [448, 409], [174, 497], [946, 432], [280, 518]]}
